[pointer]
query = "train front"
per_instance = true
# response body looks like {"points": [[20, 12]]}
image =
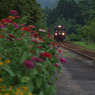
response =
{"points": [[59, 33]]}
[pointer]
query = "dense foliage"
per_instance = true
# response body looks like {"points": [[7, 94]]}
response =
{"points": [[28, 8], [75, 16], [28, 58]]}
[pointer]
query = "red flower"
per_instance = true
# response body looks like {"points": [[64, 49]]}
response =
{"points": [[6, 20], [12, 36], [26, 29], [9, 38], [23, 34], [49, 55], [9, 20], [49, 35], [52, 43], [1, 36], [41, 37], [3, 20], [45, 54]]}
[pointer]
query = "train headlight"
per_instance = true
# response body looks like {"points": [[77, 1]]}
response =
{"points": [[63, 34], [59, 26], [55, 34]]}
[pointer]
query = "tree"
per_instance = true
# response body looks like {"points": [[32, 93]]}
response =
{"points": [[24, 7], [52, 16], [87, 9]]}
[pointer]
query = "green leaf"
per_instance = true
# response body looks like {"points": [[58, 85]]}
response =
{"points": [[30, 86], [33, 72], [34, 47], [9, 71], [24, 57], [50, 89], [25, 79], [41, 93], [38, 81]]}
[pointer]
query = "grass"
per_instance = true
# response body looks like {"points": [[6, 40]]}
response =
{"points": [[84, 45]]}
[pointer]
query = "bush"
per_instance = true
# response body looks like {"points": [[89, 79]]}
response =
{"points": [[28, 59], [74, 37]]}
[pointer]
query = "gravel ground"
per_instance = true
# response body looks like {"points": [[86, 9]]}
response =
{"points": [[66, 86]]}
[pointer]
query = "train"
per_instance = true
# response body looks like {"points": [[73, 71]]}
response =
{"points": [[59, 33]]}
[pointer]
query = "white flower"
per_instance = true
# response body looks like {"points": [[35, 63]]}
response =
{"points": [[42, 30]]}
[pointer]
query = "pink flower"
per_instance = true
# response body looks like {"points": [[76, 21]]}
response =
{"points": [[22, 25], [36, 40], [2, 26], [28, 64], [33, 40], [49, 45], [17, 17], [13, 12], [33, 58], [56, 65], [59, 50], [58, 46], [36, 59], [52, 46], [62, 60], [56, 55], [32, 34], [39, 47], [49, 30], [15, 25]]}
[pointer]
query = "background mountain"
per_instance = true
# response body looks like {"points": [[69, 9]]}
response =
{"points": [[48, 3]]}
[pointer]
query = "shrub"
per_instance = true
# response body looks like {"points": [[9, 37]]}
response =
{"points": [[28, 59]]}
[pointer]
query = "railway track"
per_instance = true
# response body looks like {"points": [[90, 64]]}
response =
{"points": [[89, 54]]}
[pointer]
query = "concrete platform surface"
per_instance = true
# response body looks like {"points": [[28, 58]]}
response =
{"points": [[77, 76]]}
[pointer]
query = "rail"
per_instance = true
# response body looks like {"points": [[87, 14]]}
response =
{"points": [[82, 52]]}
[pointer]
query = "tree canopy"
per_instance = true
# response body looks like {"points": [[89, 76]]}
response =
{"points": [[24, 7]]}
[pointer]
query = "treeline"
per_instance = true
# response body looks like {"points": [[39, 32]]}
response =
{"points": [[77, 17], [29, 9]]}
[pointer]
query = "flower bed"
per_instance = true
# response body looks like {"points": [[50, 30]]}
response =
{"points": [[28, 58]]}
